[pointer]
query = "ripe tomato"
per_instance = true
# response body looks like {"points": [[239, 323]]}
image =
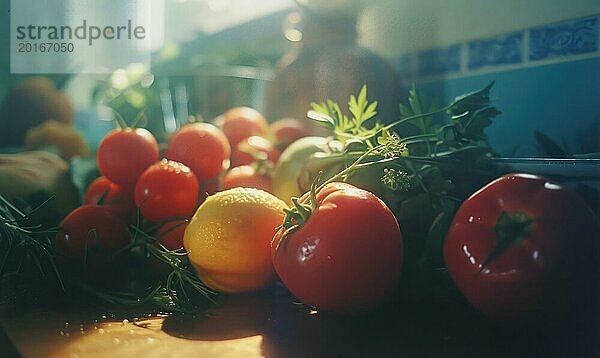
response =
{"points": [[242, 122], [203, 148], [113, 196], [288, 130], [166, 189], [170, 235], [246, 176], [125, 153], [545, 233], [241, 154], [95, 228], [347, 257]]}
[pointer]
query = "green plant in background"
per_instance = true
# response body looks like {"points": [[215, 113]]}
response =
{"points": [[130, 91]]}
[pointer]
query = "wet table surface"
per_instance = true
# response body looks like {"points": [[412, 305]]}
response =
{"points": [[271, 324]]}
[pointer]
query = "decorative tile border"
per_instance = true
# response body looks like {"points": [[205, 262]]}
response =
{"points": [[439, 61], [558, 42], [501, 50], [567, 38]]}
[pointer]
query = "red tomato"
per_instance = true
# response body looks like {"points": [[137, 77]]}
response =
{"points": [[94, 227], [241, 155], [202, 147], [170, 235], [113, 196], [347, 257], [242, 122], [545, 231], [288, 130], [247, 177], [125, 153], [167, 189], [207, 188]]}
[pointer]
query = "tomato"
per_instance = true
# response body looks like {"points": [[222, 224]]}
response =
{"points": [[95, 228], [346, 257], [125, 153], [241, 155], [170, 235], [288, 130], [166, 189], [242, 122], [546, 233], [247, 177], [113, 197], [203, 148]]}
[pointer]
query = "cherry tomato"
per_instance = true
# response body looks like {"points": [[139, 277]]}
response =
{"points": [[207, 188], [125, 153], [94, 228], [166, 189], [288, 130], [242, 122], [113, 197], [517, 248], [241, 155], [203, 148], [170, 235], [346, 257], [246, 176]]}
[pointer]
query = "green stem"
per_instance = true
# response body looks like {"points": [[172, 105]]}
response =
{"points": [[349, 169]]}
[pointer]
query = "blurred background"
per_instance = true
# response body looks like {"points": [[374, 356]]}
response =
{"points": [[279, 55]]}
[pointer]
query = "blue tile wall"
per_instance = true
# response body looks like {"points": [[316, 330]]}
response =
{"points": [[547, 80], [500, 50], [574, 37], [439, 61], [555, 42]]}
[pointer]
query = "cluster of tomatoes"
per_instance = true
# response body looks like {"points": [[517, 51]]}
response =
{"points": [[166, 187], [509, 247]]}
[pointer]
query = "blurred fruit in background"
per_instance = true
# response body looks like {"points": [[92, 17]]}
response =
{"points": [[35, 176], [247, 176], [57, 137], [240, 123], [287, 130], [28, 105], [253, 148], [287, 172], [202, 147]]}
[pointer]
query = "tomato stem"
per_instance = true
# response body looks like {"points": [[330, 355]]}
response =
{"points": [[511, 228]]}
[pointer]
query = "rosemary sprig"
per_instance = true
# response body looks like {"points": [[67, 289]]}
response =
{"points": [[27, 258], [29, 263]]}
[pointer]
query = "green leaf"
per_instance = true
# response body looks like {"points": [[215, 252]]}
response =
{"points": [[405, 111], [471, 101], [370, 112], [472, 124]]}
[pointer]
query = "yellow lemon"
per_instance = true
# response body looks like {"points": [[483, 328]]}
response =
{"points": [[228, 239]]}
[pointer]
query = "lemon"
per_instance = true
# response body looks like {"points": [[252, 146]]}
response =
{"points": [[228, 239]]}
